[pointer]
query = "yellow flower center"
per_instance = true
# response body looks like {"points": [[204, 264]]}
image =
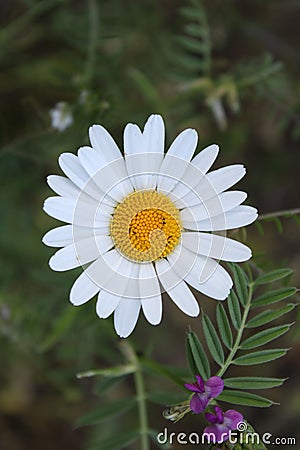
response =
{"points": [[145, 226]]}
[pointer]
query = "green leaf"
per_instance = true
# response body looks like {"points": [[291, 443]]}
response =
{"points": [[278, 224], [106, 411], [166, 398], [234, 310], [61, 326], [104, 384], [224, 327], [273, 276], [212, 339], [269, 315], [274, 296], [193, 45], [187, 61], [241, 283], [116, 442], [259, 227], [196, 355], [260, 357], [265, 336], [244, 398], [196, 31], [117, 371], [173, 373], [192, 13], [253, 382]]}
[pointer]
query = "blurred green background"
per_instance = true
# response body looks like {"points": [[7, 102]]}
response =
{"points": [[230, 69]]}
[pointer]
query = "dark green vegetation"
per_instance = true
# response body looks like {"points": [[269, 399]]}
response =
{"points": [[229, 69]]}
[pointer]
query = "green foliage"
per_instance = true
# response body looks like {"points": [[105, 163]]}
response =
{"points": [[239, 306], [114, 62], [196, 356]]}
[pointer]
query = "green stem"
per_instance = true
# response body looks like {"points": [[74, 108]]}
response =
{"points": [[140, 394], [239, 335], [284, 213], [141, 399], [92, 43]]}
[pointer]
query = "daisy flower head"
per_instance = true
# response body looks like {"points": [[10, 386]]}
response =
{"points": [[144, 223]]}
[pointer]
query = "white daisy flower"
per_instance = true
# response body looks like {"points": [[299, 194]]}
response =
{"points": [[142, 224], [61, 116]]}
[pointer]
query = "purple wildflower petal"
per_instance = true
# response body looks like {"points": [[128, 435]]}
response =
{"points": [[200, 383], [219, 414], [217, 417], [232, 418], [198, 403], [192, 387], [216, 433], [212, 418], [214, 386]]}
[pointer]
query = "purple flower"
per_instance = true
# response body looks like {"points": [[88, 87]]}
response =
{"points": [[222, 424], [204, 391]]}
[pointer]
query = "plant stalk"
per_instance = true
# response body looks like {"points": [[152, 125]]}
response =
{"points": [[239, 335]]}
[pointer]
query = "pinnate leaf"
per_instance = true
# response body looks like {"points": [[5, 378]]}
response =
{"points": [[234, 310], [260, 357], [264, 336], [224, 327], [244, 398], [212, 339], [273, 276], [269, 315], [196, 356], [274, 296], [241, 283], [253, 382]]}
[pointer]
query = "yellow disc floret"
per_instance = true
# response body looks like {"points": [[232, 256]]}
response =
{"points": [[146, 226]]}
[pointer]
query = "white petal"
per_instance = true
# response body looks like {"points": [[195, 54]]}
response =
{"points": [[63, 186], [80, 253], [226, 177], [176, 288], [150, 293], [143, 168], [202, 273], [213, 207], [128, 289], [235, 218], [152, 141], [59, 237], [195, 171], [213, 183], [154, 135], [113, 180], [106, 304], [215, 246], [132, 140], [79, 212], [103, 143], [71, 166], [83, 289], [126, 316], [217, 282], [91, 160], [176, 160], [95, 277], [205, 159], [60, 208]]}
